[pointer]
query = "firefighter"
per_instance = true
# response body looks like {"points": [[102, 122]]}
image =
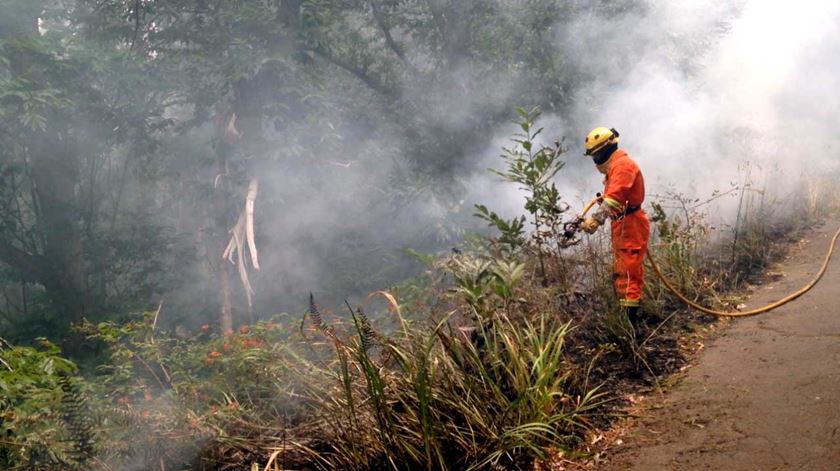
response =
{"points": [[624, 192]]}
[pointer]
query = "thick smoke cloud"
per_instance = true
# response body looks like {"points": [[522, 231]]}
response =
{"points": [[707, 95], [704, 92], [699, 89]]}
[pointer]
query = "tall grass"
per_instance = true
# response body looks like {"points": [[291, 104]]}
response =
{"points": [[448, 397]]}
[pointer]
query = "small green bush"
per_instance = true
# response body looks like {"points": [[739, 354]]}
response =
{"points": [[43, 421]]}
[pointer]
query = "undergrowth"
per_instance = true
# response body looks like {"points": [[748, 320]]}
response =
{"points": [[502, 355]]}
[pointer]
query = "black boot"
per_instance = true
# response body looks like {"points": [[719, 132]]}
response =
{"points": [[634, 313]]}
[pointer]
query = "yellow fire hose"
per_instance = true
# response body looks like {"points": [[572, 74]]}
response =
{"points": [[713, 312]]}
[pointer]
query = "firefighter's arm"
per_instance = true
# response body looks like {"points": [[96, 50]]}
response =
{"points": [[618, 190]]}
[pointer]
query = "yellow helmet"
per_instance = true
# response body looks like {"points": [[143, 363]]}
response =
{"points": [[599, 138]]}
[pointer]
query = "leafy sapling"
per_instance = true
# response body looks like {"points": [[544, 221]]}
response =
{"points": [[534, 170]]}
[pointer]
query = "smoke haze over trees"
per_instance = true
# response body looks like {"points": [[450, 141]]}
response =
{"points": [[130, 131]]}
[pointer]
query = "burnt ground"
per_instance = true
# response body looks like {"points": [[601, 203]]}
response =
{"points": [[764, 394]]}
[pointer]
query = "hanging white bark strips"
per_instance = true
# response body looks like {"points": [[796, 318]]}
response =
{"points": [[242, 233]]}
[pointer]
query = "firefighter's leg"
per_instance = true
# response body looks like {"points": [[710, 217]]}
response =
{"points": [[629, 280]]}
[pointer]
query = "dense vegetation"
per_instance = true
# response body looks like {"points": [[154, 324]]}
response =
{"points": [[143, 315], [131, 131]]}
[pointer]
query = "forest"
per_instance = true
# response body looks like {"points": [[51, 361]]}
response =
{"points": [[262, 234]]}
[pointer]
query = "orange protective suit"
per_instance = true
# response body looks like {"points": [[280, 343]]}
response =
{"points": [[624, 192]]}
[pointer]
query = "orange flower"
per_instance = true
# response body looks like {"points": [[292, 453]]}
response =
{"points": [[252, 343], [214, 354], [123, 400], [244, 329], [225, 346]]}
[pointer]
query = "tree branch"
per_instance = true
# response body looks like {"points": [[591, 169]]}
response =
{"points": [[137, 7], [389, 39], [31, 266], [357, 71]]}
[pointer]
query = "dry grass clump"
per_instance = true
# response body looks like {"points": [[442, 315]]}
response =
{"points": [[483, 385]]}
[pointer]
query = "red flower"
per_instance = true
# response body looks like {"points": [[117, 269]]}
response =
{"points": [[244, 329], [205, 328], [252, 343]]}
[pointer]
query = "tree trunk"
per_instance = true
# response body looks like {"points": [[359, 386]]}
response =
{"points": [[55, 172], [237, 126], [249, 110], [226, 306], [220, 218]]}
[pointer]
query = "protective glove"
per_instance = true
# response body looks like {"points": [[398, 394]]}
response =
{"points": [[590, 225]]}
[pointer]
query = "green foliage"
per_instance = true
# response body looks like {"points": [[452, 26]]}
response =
{"points": [[39, 425], [424, 258], [166, 398], [425, 396], [79, 420], [534, 170], [512, 231], [479, 281]]}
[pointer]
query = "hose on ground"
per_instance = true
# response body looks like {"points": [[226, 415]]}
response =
{"points": [[751, 312]]}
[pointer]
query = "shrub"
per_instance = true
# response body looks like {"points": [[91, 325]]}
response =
{"points": [[44, 422]]}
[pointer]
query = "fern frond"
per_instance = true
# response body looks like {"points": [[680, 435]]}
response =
{"points": [[317, 320], [79, 420]]}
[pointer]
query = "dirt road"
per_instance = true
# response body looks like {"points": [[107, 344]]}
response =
{"points": [[763, 396]]}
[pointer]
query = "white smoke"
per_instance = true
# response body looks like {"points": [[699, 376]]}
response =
{"points": [[698, 89]]}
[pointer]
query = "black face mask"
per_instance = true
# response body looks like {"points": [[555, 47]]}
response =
{"points": [[604, 154]]}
